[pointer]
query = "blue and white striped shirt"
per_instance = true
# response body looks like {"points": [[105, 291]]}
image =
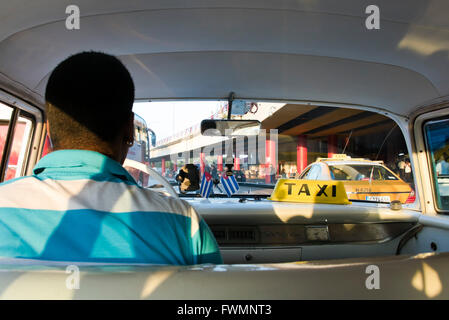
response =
{"points": [[82, 206]]}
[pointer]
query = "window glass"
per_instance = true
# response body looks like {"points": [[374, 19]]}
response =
{"points": [[437, 137], [314, 173], [293, 136], [19, 148], [142, 178], [361, 172], [5, 118], [139, 151]]}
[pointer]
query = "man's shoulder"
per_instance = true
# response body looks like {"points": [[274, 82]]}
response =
{"points": [[13, 184], [176, 206], [168, 202], [19, 191]]}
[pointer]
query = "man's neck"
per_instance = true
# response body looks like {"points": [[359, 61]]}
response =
{"points": [[105, 151]]}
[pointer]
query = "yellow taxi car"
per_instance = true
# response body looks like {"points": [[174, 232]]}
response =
{"points": [[364, 180]]}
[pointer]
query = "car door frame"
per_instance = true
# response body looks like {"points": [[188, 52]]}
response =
{"points": [[35, 142], [420, 153]]}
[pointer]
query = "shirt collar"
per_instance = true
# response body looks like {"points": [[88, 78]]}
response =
{"points": [[82, 159]]}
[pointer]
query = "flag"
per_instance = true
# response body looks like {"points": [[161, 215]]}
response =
{"points": [[206, 185], [230, 184]]}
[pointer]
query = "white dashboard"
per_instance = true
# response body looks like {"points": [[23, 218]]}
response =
{"points": [[263, 231]]}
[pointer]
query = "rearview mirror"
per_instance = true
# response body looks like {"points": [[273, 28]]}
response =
{"points": [[230, 127]]}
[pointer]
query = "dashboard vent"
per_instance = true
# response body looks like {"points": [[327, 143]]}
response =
{"points": [[219, 235], [235, 234], [241, 235]]}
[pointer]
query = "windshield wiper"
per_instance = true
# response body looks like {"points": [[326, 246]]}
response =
{"points": [[219, 195], [368, 201]]}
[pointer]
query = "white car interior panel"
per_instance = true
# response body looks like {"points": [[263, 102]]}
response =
{"points": [[420, 276]]}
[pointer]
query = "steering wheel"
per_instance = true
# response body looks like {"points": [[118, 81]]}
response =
{"points": [[152, 173]]}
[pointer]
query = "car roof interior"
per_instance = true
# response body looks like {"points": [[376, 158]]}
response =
{"points": [[298, 44]]}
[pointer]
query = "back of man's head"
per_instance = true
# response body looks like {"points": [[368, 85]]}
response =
{"points": [[89, 99]]}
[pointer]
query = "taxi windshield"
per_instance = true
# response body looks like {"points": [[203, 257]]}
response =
{"points": [[292, 137]]}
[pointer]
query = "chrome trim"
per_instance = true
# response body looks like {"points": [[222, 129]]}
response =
{"points": [[383, 192]]}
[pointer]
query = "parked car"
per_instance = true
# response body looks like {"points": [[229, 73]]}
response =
{"points": [[363, 179]]}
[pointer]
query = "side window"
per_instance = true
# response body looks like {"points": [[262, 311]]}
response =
{"points": [[5, 119], [314, 173], [377, 174], [338, 173], [19, 148], [437, 139], [15, 135], [305, 174]]}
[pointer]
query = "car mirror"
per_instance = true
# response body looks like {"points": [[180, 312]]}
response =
{"points": [[230, 127]]}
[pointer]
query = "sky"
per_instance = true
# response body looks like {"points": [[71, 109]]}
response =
{"points": [[168, 117]]}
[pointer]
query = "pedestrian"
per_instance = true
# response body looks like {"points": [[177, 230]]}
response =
{"points": [[401, 167], [407, 171], [442, 167]]}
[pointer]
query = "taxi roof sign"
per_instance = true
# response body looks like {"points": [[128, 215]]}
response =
{"points": [[340, 156], [336, 156], [310, 191], [345, 157]]}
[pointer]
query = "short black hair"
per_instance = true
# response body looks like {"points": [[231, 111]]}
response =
{"points": [[90, 93]]}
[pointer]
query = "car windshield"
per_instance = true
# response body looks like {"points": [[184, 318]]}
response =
{"points": [[292, 137]]}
